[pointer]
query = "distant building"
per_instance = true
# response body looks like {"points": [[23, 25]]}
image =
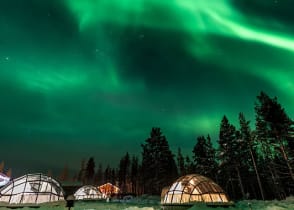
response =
{"points": [[108, 189]]}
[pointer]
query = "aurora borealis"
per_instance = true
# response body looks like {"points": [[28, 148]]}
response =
{"points": [[81, 78]]}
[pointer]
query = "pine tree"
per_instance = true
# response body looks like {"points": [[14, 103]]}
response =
{"points": [[124, 173], [113, 176], [158, 164], [82, 172], [135, 174], [211, 159], [98, 178], [274, 130], [181, 163], [204, 157], [229, 165], [189, 166], [249, 158], [90, 170], [107, 174], [168, 166], [200, 155]]}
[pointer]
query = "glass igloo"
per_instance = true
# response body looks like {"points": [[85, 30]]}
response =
{"points": [[193, 188], [108, 189], [4, 179], [31, 189], [88, 192]]}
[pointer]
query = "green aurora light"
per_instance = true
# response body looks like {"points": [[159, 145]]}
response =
{"points": [[85, 77]]}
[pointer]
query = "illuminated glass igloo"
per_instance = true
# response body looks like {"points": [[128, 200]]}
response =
{"points": [[108, 189], [88, 192], [31, 189], [193, 188]]}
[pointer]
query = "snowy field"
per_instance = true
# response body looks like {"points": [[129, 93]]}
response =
{"points": [[152, 204]]}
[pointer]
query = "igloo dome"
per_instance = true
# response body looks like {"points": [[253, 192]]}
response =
{"points": [[88, 192], [193, 188], [31, 189]]}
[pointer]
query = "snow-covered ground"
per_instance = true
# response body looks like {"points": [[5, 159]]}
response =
{"points": [[255, 205], [267, 205], [152, 203]]}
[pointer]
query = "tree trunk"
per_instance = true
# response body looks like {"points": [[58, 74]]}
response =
{"points": [[278, 191], [240, 182], [257, 174], [286, 159]]}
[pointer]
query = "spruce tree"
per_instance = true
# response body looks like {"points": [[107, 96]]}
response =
{"points": [[249, 154], [200, 155], [82, 172], [189, 166], [90, 170], [229, 165], [107, 174], [113, 176], [135, 174], [158, 165], [204, 157], [98, 179], [124, 173], [211, 159], [274, 131], [181, 163]]}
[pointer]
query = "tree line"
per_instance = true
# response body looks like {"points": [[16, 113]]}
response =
{"points": [[247, 163], [156, 169]]}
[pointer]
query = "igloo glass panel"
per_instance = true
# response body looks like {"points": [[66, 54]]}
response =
{"points": [[29, 198], [189, 189], [19, 181], [174, 186], [216, 197], [224, 198], [206, 198], [42, 198], [193, 182], [5, 198], [204, 187], [176, 198], [15, 198], [55, 198], [195, 198], [196, 191], [168, 198], [18, 189], [34, 178], [185, 198], [7, 190]]}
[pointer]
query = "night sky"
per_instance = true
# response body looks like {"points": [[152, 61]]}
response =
{"points": [[82, 78]]}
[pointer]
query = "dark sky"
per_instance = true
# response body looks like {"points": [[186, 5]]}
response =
{"points": [[82, 78]]}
